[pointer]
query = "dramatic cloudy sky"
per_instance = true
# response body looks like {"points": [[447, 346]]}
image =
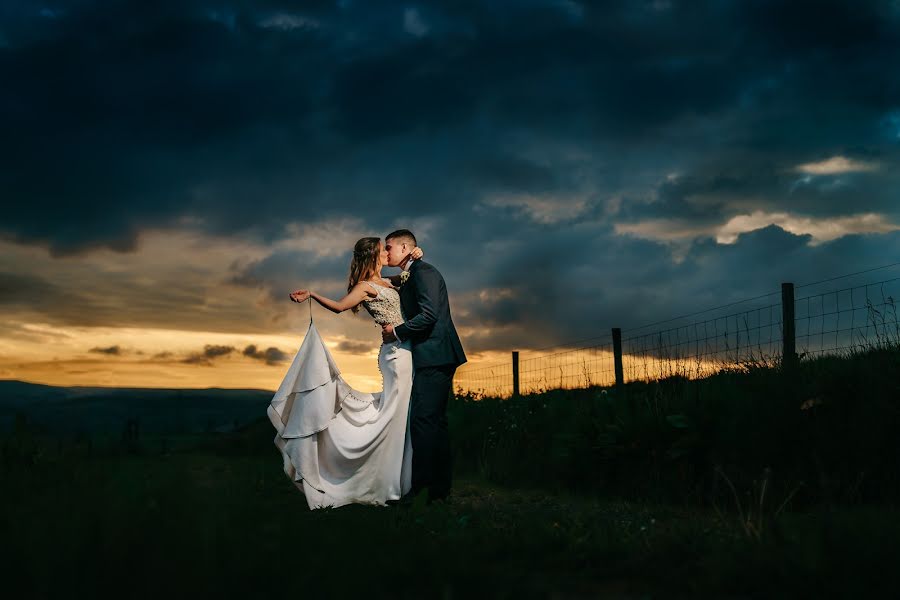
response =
{"points": [[170, 171]]}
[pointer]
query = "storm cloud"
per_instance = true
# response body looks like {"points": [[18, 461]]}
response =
{"points": [[111, 350], [352, 347], [569, 166], [210, 352], [271, 355]]}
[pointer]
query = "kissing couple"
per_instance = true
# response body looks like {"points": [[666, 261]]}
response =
{"points": [[343, 446]]}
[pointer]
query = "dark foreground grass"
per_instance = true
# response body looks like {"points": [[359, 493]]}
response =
{"points": [[758, 482], [824, 434], [214, 525]]}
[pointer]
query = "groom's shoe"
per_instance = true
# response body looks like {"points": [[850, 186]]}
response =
{"points": [[413, 498]]}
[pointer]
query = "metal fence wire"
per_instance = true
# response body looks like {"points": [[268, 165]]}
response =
{"points": [[833, 322]]}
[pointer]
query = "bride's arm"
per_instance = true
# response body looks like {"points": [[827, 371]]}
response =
{"points": [[352, 299]]}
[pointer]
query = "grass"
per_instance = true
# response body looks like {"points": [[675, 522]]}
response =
{"points": [[828, 432], [752, 483], [197, 522]]}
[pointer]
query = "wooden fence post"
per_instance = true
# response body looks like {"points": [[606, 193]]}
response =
{"points": [[515, 359], [789, 340], [617, 357]]}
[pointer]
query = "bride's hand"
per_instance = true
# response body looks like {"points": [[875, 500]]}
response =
{"points": [[416, 253], [300, 295]]}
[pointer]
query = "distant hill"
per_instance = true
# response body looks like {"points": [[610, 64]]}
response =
{"points": [[99, 409]]}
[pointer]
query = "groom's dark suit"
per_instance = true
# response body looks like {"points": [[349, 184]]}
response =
{"points": [[436, 353]]}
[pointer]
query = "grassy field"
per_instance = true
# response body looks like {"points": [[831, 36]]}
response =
{"points": [[732, 487], [231, 525]]}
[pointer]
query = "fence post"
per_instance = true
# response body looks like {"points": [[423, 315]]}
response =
{"points": [[789, 341], [617, 357], [515, 359]]}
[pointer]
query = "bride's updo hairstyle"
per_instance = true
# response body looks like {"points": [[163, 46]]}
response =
{"points": [[364, 263]]}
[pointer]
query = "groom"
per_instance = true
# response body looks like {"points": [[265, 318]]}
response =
{"points": [[436, 352]]}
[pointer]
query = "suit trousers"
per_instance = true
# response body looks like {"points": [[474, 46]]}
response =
{"points": [[431, 460]]}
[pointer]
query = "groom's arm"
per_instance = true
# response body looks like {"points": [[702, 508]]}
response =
{"points": [[428, 286]]}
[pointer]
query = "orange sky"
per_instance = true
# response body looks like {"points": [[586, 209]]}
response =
{"points": [[145, 319], [170, 314], [61, 356]]}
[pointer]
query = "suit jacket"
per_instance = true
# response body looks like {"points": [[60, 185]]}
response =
{"points": [[428, 324]]}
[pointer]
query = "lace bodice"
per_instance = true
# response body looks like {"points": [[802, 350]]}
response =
{"points": [[385, 307]]}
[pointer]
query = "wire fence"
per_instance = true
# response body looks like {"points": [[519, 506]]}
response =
{"points": [[848, 319], [705, 347], [833, 322]]}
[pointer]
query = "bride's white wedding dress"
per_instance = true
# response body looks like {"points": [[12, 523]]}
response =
{"points": [[340, 445]]}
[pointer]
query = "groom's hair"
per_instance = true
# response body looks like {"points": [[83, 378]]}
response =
{"points": [[403, 235]]}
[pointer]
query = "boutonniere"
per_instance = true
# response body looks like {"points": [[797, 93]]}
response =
{"points": [[404, 275]]}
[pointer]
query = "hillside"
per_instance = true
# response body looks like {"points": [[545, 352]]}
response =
{"points": [[104, 410]]}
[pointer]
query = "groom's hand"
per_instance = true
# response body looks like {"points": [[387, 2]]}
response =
{"points": [[387, 334]]}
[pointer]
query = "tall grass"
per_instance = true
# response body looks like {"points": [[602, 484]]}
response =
{"points": [[825, 432], [756, 482]]}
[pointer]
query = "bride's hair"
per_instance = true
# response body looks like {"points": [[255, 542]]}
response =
{"points": [[364, 263]]}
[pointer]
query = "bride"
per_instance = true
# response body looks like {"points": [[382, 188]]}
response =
{"points": [[340, 445]]}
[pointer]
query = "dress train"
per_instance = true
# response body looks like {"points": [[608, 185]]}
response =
{"points": [[340, 445]]}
